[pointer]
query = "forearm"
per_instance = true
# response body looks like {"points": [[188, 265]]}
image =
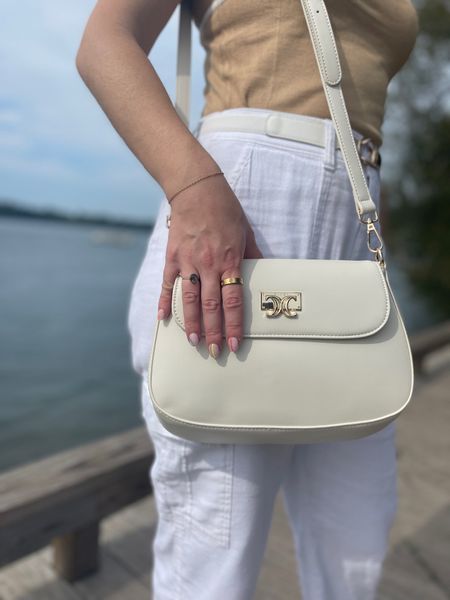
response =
{"points": [[118, 73]]}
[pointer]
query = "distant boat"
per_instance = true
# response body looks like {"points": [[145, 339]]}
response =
{"points": [[110, 237]]}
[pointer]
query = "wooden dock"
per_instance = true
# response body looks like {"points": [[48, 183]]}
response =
{"points": [[417, 567]]}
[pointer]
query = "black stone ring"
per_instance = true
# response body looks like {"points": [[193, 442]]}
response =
{"points": [[193, 278]]}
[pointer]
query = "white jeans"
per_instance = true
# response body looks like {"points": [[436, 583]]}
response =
{"points": [[215, 501]]}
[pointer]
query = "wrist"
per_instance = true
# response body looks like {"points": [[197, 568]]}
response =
{"points": [[194, 163], [195, 181]]}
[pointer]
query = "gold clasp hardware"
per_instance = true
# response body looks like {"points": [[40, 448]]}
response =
{"points": [[277, 303], [374, 242]]}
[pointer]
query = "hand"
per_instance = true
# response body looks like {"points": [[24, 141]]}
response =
{"points": [[209, 234]]}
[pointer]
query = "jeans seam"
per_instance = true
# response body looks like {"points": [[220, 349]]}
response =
{"points": [[221, 529], [229, 503], [237, 173], [181, 526], [318, 221]]}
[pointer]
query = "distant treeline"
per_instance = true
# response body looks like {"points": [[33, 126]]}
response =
{"points": [[10, 209]]}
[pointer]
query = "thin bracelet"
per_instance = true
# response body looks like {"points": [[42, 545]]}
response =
{"points": [[193, 183]]}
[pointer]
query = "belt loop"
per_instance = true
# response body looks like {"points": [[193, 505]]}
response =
{"points": [[330, 145]]}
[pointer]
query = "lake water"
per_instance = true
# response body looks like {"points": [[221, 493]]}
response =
{"points": [[65, 369]]}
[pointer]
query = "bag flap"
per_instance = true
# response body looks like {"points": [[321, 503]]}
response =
{"points": [[299, 298]]}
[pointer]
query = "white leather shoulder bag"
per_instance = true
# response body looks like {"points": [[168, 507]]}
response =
{"points": [[324, 354]]}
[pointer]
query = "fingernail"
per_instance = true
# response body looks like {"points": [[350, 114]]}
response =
{"points": [[213, 350], [233, 344], [193, 339], [160, 314]]}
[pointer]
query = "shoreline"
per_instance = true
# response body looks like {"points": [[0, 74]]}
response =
{"points": [[10, 210]]}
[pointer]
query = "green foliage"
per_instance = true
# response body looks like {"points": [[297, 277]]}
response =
{"points": [[420, 213], [421, 218]]}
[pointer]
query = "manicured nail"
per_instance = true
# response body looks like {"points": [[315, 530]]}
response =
{"points": [[213, 350], [193, 339], [233, 344], [160, 314]]}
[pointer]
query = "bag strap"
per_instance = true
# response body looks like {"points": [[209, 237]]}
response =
{"points": [[327, 58]]}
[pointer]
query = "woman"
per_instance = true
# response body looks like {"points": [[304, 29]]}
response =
{"points": [[278, 197]]}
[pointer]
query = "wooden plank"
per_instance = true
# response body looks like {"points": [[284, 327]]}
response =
{"points": [[424, 447], [61, 494], [76, 553], [431, 548], [430, 339], [68, 470], [404, 579], [437, 362], [427, 341], [33, 578], [417, 565], [112, 582], [278, 578], [128, 536], [135, 517]]}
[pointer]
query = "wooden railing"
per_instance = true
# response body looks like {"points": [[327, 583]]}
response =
{"points": [[62, 499], [428, 340]]}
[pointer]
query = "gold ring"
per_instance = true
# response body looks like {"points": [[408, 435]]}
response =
{"points": [[231, 280], [167, 286]]}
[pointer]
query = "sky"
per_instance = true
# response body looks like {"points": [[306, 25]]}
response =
{"points": [[57, 148]]}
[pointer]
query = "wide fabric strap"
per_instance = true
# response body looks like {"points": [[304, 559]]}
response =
{"points": [[327, 58]]}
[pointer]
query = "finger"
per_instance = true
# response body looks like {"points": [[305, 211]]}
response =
{"points": [[211, 306], [191, 305], [233, 309], [170, 273]]}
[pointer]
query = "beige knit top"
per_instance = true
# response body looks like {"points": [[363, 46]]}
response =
{"points": [[259, 54]]}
